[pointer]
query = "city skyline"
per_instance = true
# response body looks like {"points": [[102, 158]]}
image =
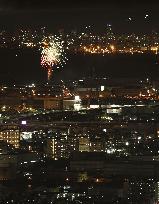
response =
{"points": [[125, 19], [79, 102]]}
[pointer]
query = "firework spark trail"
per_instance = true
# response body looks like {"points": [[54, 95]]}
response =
{"points": [[52, 54]]}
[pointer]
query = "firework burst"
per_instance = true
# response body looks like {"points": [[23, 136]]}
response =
{"points": [[52, 54]]}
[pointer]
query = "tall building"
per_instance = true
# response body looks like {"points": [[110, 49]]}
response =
{"points": [[84, 144], [109, 33], [61, 146]]}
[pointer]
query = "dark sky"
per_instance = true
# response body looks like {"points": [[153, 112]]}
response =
{"points": [[50, 4], [64, 13]]}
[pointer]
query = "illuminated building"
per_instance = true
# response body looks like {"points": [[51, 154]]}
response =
{"points": [[97, 145], [11, 136], [60, 146], [72, 104], [92, 92], [84, 144]]}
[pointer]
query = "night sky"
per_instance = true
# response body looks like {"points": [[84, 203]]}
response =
{"points": [[69, 14], [76, 14]]}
